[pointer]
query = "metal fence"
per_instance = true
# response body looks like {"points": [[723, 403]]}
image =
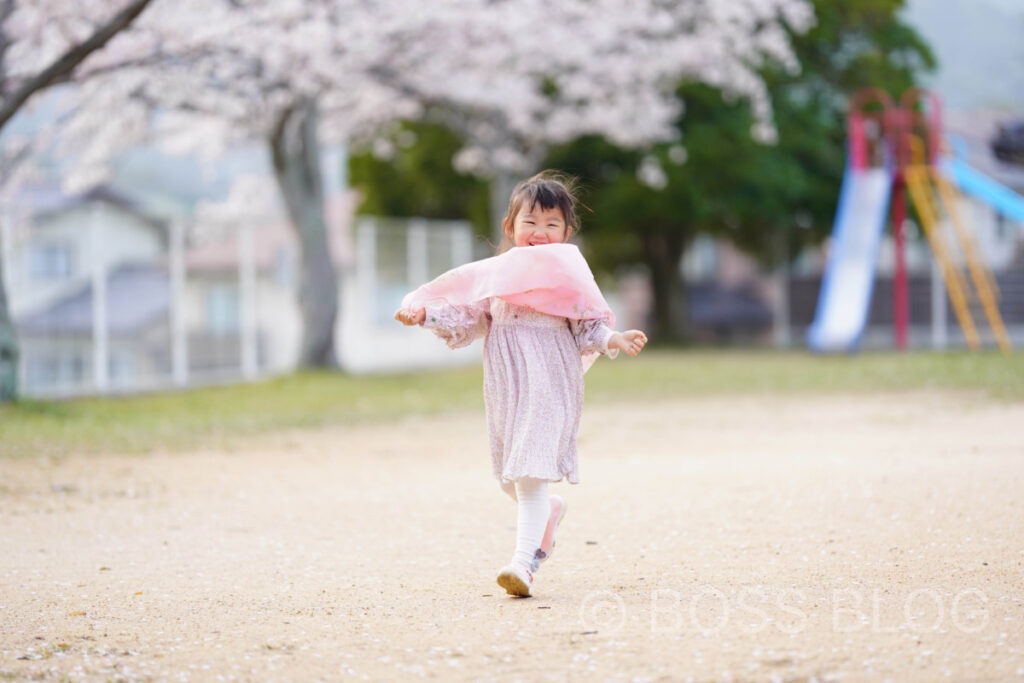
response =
{"points": [[392, 257], [106, 299]]}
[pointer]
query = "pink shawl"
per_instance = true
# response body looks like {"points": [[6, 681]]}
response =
{"points": [[550, 278]]}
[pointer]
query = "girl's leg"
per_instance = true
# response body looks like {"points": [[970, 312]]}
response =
{"points": [[534, 510], [509, 487]]}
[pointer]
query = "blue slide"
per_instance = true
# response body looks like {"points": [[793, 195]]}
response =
{"points": [[853, 256], [1000, 197]]}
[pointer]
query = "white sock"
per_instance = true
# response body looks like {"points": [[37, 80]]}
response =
{"points": [[534, 508]]}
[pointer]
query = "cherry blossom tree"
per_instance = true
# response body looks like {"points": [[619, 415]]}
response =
{"points": [[294, 75], [533, 74], [43, 43], [512, 77]]}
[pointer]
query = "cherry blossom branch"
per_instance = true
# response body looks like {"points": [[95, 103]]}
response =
{"points": [[67, 62]]}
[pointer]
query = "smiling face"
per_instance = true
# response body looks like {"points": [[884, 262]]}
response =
{"points": [[537, 225], [541, 210]]}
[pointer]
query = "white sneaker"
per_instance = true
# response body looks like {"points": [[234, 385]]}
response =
{"points": [[516, 579]]}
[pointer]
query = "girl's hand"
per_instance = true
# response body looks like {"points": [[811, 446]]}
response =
{"points": [[630, 342], [407, 318]]}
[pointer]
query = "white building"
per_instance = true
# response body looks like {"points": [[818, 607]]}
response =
{"points": [[100, 306]]}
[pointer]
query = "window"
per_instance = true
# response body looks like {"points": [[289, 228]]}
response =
{"points": [[50, 261], [42, 371], [121, 368], [54, 369], [222, 305]]}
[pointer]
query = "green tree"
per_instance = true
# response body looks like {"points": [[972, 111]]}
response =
{"points": [[418, 179], [729, 185]]}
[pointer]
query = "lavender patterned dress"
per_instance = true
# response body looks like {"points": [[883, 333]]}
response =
{"points": [[533, 382]]}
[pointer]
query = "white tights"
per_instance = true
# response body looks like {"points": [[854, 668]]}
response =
{"points": [[534, 510]]}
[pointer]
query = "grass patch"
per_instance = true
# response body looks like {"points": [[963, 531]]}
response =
{"points": [[216, 415], [668, 374]]}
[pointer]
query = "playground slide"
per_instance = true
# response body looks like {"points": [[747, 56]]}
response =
{"points": [[974, 183], [850, 273]]}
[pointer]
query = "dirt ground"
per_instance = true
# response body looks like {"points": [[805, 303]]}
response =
{"points": [[810, 538]]}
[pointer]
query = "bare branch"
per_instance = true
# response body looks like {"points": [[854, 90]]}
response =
{"points": [[67, 62], [146, 60]]}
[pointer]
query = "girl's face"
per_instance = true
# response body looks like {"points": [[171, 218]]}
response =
{"points": [[537, 225]]}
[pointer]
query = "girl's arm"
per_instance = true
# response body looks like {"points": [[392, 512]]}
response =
{"points": [[410, 318], [631, 342], [593, 336], [457, 326]]}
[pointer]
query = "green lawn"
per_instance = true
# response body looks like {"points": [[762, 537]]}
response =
{"points": [[312, 399]]}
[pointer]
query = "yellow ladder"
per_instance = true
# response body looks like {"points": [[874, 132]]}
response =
{"points": [[917, 177], [920, 178], [984, 282]]}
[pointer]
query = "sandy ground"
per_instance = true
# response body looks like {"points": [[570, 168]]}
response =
{"points": [[821, 538]]}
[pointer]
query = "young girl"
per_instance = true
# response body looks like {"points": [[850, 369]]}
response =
{"points": [[545, 321]]}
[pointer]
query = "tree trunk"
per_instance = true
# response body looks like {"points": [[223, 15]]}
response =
{"points": [[662, 253], [296, 157], [780, 280], [8, 345]]}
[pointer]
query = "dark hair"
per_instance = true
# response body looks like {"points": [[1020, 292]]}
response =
{"points": [[548, 190]]}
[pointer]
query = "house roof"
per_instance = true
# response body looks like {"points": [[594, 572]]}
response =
{"points": [[171, 185], [45, 200], [137, 296]]}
